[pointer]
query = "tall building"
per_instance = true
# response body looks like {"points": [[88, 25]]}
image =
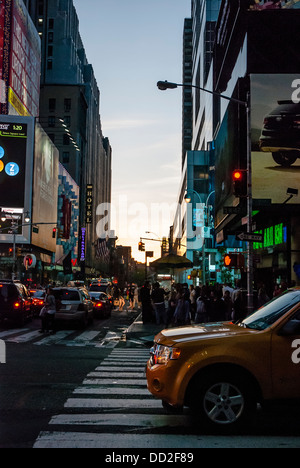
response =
{"points": [[70, 112], [238, 59]]}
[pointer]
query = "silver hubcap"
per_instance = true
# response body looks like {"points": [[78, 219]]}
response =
{"points": [[223, 403]]}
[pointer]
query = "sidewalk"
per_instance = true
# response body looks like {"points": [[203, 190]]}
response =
{"points": [[144, 333]]}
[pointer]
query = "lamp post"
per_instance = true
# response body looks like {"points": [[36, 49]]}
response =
{"points": [[163, 86]]}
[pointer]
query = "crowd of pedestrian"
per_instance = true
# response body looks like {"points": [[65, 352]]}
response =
{"points": [[185, 304]]}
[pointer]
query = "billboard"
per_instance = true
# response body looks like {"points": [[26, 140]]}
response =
{"points": [[275, 122], [20, 60], [45, 183], [16, 167]]}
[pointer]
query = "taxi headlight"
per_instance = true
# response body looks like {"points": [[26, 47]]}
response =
{"points": [[163, 354]]}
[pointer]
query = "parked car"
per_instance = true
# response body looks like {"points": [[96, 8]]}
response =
{"points": [[102, 304], [281, 133], [74, 305], [37, 300], [15, 302], [222, 370]]}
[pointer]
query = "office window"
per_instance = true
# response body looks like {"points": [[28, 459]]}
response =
{"points": [[52, 104], [51, 23], [68, 105], [66, 139], [50, 51], [49, 64], [66, 157], [51, 121]]}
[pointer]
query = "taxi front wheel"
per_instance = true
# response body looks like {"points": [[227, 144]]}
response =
{"points": [[223, 401]]}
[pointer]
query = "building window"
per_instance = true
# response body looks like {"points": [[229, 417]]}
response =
{"points": [[67, 105], [52, 104], [50, 51], [50, 37], [51, 23], [66, 157], [49, 64], [51, 121], [66, 139], [67, 120]]}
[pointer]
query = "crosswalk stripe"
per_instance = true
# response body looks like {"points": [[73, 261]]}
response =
{"points": [[116, 381], [111, 403], [53, 339], [24, 338], [100, 390], [121, 369], [140, 420], [6, 333], [116, 374]]}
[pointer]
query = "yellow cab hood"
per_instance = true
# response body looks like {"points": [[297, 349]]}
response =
{"points": [[175, 336]]}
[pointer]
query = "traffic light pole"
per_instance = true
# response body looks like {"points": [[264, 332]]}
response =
{"points": [[163, 86], [250, 271]]}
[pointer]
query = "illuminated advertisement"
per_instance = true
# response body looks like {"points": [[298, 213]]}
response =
{"points": [[13, 144], [275, 119], [44, 205], [68, 217], [20, 60], [16, 169]]}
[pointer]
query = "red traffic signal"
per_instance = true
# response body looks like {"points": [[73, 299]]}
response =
{"points": [[54, 233], [240, 183], [141, 247], [234, 260]]}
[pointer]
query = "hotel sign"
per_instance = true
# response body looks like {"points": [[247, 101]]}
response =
{"points": [[89, 204]]}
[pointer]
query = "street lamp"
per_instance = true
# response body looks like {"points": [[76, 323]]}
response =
{"points": [[163, 86]]}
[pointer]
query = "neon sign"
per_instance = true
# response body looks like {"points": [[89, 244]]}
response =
{"points": [[273, 235]]}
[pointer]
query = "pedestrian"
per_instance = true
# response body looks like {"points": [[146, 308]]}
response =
{"points": [[193, 302], [201, 312], [229, 305], [48, 313], [262, 297], [158, 299], [171, 307], [145, 298], [182, 312]]}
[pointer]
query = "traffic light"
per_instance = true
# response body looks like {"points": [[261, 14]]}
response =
{"points": [[10, 252], [240, 183], [234, 260], [141, 247], [54, 233]]}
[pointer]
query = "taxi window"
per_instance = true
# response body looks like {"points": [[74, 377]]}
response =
{"points": [[272, 311]]}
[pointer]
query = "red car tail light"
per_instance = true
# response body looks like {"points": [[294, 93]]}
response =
{"points": [[17, 305]]}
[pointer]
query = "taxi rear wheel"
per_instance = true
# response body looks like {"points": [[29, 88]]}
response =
{"points": [[223, 401]]}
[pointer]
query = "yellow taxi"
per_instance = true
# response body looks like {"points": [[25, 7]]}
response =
{"points": [[223, 370]]}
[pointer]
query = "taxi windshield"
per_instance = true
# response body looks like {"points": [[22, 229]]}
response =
{"points": [[272, 311]]}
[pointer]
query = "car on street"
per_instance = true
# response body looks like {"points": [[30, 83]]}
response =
{"points": [[74, 305], [15, 302], [37, 300], [223, 370], [102, 304], [281, 133]]}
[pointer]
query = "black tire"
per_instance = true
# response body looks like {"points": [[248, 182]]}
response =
{"points": [[223, 401], [285, 158]]}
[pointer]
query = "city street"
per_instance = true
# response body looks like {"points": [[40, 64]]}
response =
{"points": [[87, 389]]}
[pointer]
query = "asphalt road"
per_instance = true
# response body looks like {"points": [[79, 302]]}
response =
{"points": [[45, 383]]}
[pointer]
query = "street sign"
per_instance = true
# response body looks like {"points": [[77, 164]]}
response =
{"points": [[250, 237]]}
